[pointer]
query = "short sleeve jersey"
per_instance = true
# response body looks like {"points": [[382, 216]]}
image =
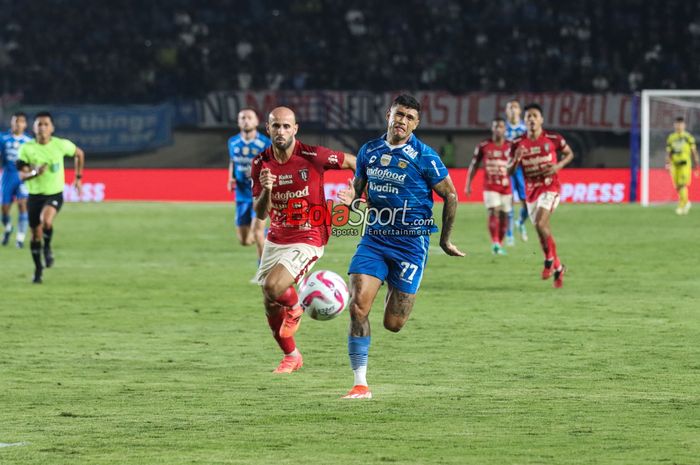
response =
{"points": [[536, 157], [495, 158], [299, 187], [242, 153], [51, 154], [680, 146], [400, 177]]}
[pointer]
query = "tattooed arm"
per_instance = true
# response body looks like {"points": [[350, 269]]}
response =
{"points": [[447, 191]]}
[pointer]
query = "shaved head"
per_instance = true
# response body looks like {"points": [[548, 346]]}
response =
{"points": [[283, 113], [282, 127]]}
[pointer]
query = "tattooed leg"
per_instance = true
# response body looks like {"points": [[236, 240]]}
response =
{"points": [[363, 290], [397, 309]]}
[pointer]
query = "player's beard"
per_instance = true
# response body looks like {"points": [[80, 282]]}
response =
{"points": [[283, 145]]}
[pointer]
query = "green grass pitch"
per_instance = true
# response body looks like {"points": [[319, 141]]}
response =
{"points": [[147, 345]]}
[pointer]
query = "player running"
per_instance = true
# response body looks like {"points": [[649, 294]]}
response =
{"points": [[41, 165], [515, 127], [242, 148], [680, 144], [13, 189], [399, 173], [536, 152], [498, 195], [289, 175]]}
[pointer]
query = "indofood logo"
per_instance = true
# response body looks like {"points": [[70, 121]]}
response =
{"points": [[287, 195], [386, 175]]}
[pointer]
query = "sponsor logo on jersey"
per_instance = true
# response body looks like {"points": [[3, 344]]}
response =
{"points": [[304, 173], [287, 195], [527, 162], [259, 143], [383, 188], [410, 151], [546, 147], [386, 175], [284, 179], [403, 164], [246, 150], [535, 150], [333, 159], [307, 153], [385, 160]]}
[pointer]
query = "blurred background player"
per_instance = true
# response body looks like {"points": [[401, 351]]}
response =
{"points": [[13, 189], [515, 127], [242, 148], [289, 175], [537, 152], [498, 195], [398, 171], [680, 144], [41, 167]]}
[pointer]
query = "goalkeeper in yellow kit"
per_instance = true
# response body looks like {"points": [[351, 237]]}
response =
{"points": [[680, 144]]}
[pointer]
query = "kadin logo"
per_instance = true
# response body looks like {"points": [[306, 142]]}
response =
{"points": [[304, 173], [385, 160]]}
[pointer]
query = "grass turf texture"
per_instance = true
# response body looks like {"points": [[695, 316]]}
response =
{"points": [[147, 345]]}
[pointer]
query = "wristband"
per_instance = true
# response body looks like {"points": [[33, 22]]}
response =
{"points": [[33, 172]]}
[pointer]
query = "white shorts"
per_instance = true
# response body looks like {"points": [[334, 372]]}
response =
{"points": [[298, 259], [547, 200], [493, 199]]}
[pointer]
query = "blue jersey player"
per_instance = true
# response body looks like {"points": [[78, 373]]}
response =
{"points": [[242, 148], [515, 127], [399, 174], [13, 189]]}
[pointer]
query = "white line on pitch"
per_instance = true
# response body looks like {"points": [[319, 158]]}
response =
{"points": [[13, 444]]}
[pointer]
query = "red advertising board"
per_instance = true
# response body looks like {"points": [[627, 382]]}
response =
{"points": [[209, 185]]}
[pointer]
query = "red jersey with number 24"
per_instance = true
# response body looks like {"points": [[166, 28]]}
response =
{"points": [[536, 157], [300, 185], [495, 158]]}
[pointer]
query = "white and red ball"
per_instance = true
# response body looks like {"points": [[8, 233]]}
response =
{"points": [[323, 294]]}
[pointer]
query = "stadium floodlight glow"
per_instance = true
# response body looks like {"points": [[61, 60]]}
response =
{"points": [[658, 110]]}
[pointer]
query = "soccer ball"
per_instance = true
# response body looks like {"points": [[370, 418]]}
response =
{"points": [[323, 295]]}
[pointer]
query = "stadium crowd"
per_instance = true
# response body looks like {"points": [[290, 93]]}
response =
{"points": [[81, 51]]}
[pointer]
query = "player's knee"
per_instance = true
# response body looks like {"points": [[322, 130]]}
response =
{"points": [[271, 289], [394, 324], [358, 311]]}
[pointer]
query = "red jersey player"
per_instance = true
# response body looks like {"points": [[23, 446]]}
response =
{"points": [[537, 152], [287, 174], [498, 194]]}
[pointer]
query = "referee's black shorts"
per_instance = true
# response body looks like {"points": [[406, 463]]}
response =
{"points": [[37, 202]]}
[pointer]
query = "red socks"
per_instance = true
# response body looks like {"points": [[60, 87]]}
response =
{"points": [[494, 229], [287, 344], [503, 227], [549, 247], [288, 298]]}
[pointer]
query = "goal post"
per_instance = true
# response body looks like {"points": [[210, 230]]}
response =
{"points": [[659, 109]]}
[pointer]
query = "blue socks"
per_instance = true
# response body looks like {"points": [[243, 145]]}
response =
{"points": [[23, 223], [358, 348]]}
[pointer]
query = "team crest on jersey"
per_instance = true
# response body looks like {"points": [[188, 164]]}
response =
{"points": [[304, 173], [254, 151], [403, 164], [385, 160], [246, 150]]}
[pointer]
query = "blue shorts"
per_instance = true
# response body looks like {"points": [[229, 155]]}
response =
{"points": [[13, 188], [400, 261], [518, 183], [244, 213]]}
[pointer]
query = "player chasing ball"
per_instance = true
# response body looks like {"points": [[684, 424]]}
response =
{"points": [[537, 152], [515, 127], [680, 144], [13, 189], [242, 149], [498, 195], [40, 165], [398, 171], [289, 176]]}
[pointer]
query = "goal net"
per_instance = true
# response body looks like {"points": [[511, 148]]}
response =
{"points": [[659, 110]]}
